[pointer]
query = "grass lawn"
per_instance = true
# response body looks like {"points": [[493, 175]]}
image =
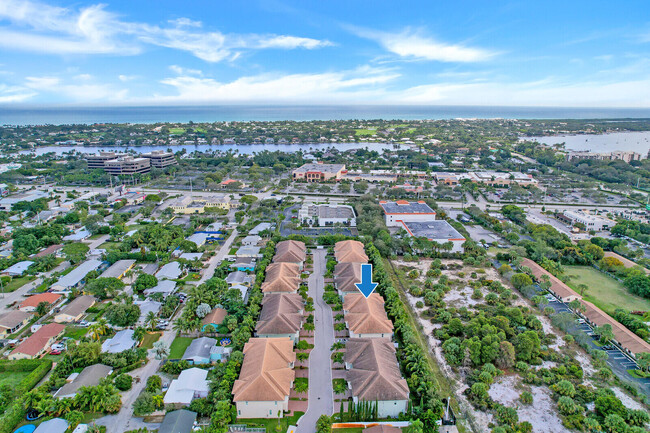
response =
{"points": [[178, 347], [110, 245], [604, 291], [347, 430], [12, 378], [16, 283], [176, 131], [150, 339], [75, 332], [271, 424], [364, 132]]}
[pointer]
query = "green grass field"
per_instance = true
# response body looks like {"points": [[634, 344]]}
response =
{"points": [[150, 339], [177, 349], [176, 131], [12, 378], [75, 332], [364, 132], [271, 424], [604, 291], [110, 245], [16, 283]]}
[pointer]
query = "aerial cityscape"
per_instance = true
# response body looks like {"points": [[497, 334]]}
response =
{"points": [[335, 217]]}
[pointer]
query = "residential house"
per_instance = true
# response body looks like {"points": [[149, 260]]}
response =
{"points": [[290, 252], [382, 428], [74, 311], [244, 264], [38, 343], [346, 276], [118, 269], [265, 379], [366, 317], [212, 320], [17, 269], [198, 352], [54, 425], [191, 383], [29, 305], [250, 252], [350, 252], [89, 376], [281, 278], [281, 316], [166, 287], [169, 271], [251, 241], [13, 321], [374, 376], [121, 341], [178, 421], [76, 276], [147, 306]]}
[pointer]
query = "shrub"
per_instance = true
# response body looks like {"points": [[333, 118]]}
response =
{"points": [[123, 382], [154, 384], [526, 398]]}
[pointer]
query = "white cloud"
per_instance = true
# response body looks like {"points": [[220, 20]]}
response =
{"points": [[179, 70], [94, 30], [413, 44], [42, 83], [360, 84], [13, 94], [125, 78], [87, 91]]}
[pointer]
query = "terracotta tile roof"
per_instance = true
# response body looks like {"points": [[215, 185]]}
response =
{"points": [[281, 278], [290, 251], [557, 286], [366, 315], [375, 374], [346, 275], [215, 316], [39, 339], [350, 251], [33, 301], [266, 373], [49, 250], [281, 314], [624, 336]]}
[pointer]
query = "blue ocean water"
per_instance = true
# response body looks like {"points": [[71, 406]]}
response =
{"points": [[154, 114]]}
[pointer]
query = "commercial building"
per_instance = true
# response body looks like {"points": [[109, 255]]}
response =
{"points": [[325, 215], [265, 379], [38, 343], [76, 276], [127, 165], [160, 158], [191, 383], [590, 222], [606, 156], [374, 376], [490, 178], [7, 203], [366, 317], [439, 231], [281, 316], [194, 205], [98, 160], [319, 172], [396, 212], [74, 311], [89, 376]]}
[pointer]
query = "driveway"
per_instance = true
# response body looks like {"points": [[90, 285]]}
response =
{"points": [[19, 294], [321, 395], [221, 254]]}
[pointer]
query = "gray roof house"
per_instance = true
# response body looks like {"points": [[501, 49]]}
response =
{"points": [[239, 277], [170, 271], [54, 425], [18, 269], [259, 228], [77, 275], [198, 352], [118, 269], [178, 421], [89, 376], [120, 342], [166, 287], [146, 307]]}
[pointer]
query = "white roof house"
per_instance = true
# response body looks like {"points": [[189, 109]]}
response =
{"points": [[77, 275], [170, 271], [192, 383], [251, 240], [79, 235], [166, 287], [248, 252], [191, 256], [199, 238], [147, 307], [118, 269], [54, 425], [18, 269], [259, 228], [120, 342]]}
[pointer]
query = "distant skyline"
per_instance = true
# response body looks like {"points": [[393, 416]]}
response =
{"points": [[516, 53]]}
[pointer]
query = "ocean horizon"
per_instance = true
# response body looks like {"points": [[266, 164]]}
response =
{"points": [[23, 116]]}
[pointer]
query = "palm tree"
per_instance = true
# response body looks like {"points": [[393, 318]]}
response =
{"points": [[98, 329], [161, 350], [151, 320], [31, 398]]}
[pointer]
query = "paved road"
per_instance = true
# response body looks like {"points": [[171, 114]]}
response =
{"points": [[93, 244], [18, 294], [218, 258], [321, 395]]}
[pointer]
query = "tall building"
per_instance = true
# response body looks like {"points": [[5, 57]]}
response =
{"points": [[97, 161], [160, 158], [127, 165]]}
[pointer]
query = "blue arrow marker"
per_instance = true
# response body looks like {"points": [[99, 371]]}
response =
{"points": [[366, 286]]}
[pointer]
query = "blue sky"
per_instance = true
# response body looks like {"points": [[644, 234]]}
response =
{"points": [[139, 52]]}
